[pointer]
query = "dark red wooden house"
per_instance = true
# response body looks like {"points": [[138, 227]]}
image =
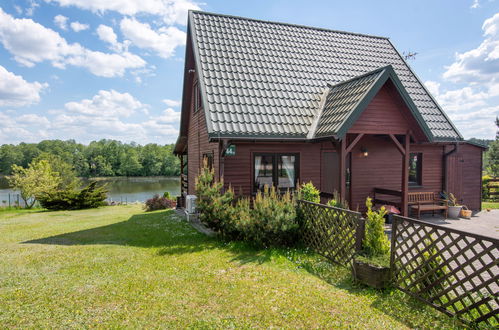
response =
{"points": [[274, 103]]}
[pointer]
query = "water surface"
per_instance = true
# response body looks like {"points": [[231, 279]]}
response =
{"points": [[126, 189]]}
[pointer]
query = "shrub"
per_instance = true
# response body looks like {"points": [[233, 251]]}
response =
{"points": [[167, 195], [338, 201], [72, 199], [159, 203], [375, 242], [273, 219], [213, 205], [308, 192], [238, 220]]}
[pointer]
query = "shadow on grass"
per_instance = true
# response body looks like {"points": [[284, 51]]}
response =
{"points": [[173, 237]]}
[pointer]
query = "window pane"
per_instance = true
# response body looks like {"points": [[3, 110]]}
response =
{"points": [[263, 171], [286, 174], [415, 168]]}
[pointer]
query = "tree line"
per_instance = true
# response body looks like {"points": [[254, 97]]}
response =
{"points": [[99, 158]]}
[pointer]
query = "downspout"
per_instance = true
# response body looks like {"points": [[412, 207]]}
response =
{"points": [[444, 165]]}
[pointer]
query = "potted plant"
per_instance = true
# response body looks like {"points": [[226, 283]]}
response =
{"points": [[454, 207], [372, 266]]}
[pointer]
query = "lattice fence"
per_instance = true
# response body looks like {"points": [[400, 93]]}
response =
{"points": [[454, 271], [331, 232]]}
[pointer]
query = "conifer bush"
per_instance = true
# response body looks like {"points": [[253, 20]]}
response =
{"points": [[273, 219], [375, 242], [338, 201], [213, 205], [308, 192], [90, 196]]}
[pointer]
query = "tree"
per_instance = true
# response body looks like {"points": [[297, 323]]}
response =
{"points": [[493, 155], [66, 173], [33, 181]]}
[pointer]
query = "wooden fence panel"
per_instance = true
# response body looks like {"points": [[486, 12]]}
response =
{"points": [[331, 232], [456, 272]]}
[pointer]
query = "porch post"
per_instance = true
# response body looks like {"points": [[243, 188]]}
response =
{"points": [[405, 175], [343, 155]]}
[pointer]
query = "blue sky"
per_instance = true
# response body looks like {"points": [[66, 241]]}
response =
{"points": [[92, 69]]}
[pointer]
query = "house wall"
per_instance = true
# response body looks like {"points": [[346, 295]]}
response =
{"points": [[382, 168], [197, 145], [238, 169], [464, 170]]}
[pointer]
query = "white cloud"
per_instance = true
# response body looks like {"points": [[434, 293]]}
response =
{"points": [[16, 92], [475, 4], [106, 34], [108, 114], [171, 103], [163, 41], [171, 11], [106, 104], [77, 26], [168, 116], [32, 6], [482, 63], [31, 43], [61, 22]]}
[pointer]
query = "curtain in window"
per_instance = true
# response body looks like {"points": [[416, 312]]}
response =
{"points": [[287, 175], [258, 162]]}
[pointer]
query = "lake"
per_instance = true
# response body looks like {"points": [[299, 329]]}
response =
{"points": [[129, 189]]}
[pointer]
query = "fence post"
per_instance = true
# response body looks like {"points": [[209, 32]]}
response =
{"points": [[395, 220], [9, 199], [360, 232]]}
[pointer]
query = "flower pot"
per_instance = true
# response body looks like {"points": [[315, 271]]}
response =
{"points": [[454, 211], [466, 213], [374, 276]]}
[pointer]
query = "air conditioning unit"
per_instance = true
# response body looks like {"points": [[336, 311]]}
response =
{"points": [[190, 204]]}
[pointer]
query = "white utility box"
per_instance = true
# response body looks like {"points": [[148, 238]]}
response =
{"points": [[190, 204]]}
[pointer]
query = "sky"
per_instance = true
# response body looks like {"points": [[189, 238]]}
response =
{"points": [[94, 69]]}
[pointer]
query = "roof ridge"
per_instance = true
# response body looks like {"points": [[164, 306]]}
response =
{"points": [[318, 115], [360, 76], [288, 24]]}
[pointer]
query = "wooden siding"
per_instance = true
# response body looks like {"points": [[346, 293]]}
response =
{"points": [[464, 170], [382, 168], [197, 145], [238, 169], [387, 113]]}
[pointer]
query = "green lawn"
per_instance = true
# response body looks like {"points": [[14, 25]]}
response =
{"points": [[490, 205], [121, 267]]}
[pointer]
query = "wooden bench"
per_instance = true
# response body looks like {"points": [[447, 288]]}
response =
{"points": [[426, 201]]}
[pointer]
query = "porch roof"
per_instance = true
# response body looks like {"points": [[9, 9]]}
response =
{"points": [[344, 103]]}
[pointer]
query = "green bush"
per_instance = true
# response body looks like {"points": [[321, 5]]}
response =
{"points": [[375, 242], [338, 201], [273, 219], [214, 206], [308, 192], [73, 199]]}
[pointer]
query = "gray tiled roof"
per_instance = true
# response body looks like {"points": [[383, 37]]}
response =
{"points": [[265, 79], [341, 101]]}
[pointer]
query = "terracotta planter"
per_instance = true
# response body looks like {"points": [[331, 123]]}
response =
{"points": [[454, 211], [374, 276]]}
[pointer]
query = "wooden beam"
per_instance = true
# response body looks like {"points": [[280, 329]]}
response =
{"points": [[354, 142], [405, 175], [342, 160], [397, 143]]}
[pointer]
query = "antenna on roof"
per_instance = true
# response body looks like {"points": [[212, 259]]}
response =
{"points": [[409, 55]]}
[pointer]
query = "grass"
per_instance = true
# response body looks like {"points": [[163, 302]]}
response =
{"points": [[490, 205], [117, 267]]}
